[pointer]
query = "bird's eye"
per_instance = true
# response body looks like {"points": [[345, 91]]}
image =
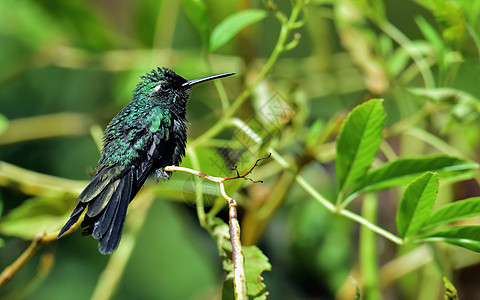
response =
{"points": [[161, 87]]}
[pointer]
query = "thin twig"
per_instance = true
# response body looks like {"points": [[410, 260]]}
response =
{"points": [[244, 176]]}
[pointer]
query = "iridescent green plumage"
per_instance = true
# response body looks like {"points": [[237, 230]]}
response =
{"points": [[144, 137]]}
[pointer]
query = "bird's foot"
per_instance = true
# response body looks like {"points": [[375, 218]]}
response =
{"points": [[161, 174]]}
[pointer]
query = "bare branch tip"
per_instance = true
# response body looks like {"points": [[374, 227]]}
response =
{"points": [[244, 176]]}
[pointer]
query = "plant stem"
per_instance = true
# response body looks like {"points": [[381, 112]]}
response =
{"points": [[368, 252], [378, 230], [36, 244], [198, 188], [45, 127], [34, 183], [332, 208]]}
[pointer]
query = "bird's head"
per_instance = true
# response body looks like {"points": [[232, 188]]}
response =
{"points": [[168, 87]]}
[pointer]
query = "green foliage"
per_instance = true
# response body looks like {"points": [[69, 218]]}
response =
{"points": [[402, 170], [331, 171], [416, 204], [454, 211], [358, 142], [232, 25], [464, 236], [35, 216], [197, 12], [414, 211]]}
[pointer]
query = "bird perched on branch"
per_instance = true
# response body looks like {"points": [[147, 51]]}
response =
{"points": [[147, 135]]}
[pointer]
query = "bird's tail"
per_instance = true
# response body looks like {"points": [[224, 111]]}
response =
{"points": [[106, 202]]}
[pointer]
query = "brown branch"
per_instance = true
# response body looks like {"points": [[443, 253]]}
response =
{"points": [[239, 280]]}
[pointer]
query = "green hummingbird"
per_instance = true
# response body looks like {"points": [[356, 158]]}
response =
{"points": [[147, 135]]}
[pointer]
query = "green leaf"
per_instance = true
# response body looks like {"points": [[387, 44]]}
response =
{"points": [[197, 13], [358, 142], [255, 264], [401, 171], [416, 204], [463, 236], [232, 25], [454, 211], [35, 216]]}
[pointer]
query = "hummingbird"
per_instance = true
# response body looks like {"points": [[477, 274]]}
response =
{"points": [[147, 135]]}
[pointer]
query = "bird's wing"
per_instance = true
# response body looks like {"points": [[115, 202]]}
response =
{"points": [[126, 162]]}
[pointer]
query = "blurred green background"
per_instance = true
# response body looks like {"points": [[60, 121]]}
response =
{"points": [[67, 67]]}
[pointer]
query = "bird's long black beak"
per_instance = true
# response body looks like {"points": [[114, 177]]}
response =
{"points": [[191, 83]]}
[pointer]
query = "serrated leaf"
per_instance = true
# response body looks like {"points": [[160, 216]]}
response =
{"points": [[402, 170], [197, 13], [454, 211], [232, 25], [255, 264], [416, 204], [358, 142], [463, 236]]}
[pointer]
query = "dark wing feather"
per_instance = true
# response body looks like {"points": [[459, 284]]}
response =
{"points": [[111, 226], [77, 212], [103, 220], [98, 183], [96, 207]]}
